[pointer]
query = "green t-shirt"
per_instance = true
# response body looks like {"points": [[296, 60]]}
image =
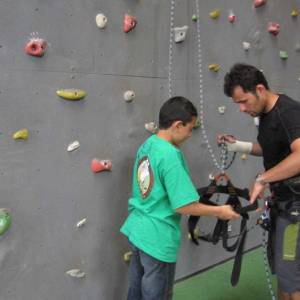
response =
{"points": [[161, 184]]}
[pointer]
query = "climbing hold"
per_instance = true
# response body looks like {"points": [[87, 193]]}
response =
{"points": [[129, 23], [151, 127], [73, 146], [129, 96], [194, 18], [180, 33], [294, 13], [256, 121], [5, 220], [244, 156], [76, 273], [283, 55], [273, 28], [21, 134], [127, 256], [81, 223], [36, 47], [258, 3], [221, 109], [71, 94], [246, 46], [101, 21], [214, 67], [197, 124], [215, 14], [100, 165], [231, 17]]}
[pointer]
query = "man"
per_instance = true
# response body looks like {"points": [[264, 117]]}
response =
{"points": [[162, 190], [279, 144]]}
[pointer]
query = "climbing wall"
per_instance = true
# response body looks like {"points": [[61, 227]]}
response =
{"points": [[64, 240]]}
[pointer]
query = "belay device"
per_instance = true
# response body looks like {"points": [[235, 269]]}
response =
{"points": [[221, 228]]}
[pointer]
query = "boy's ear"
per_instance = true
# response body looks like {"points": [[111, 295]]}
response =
{"points": [[177, 124]]}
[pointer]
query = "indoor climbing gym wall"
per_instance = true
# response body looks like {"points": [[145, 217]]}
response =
{"points": [[81, 85]]}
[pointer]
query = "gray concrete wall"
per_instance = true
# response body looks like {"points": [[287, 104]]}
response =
{"points": [[48, 190]]}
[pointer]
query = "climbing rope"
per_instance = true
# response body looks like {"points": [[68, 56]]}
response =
{"points": [[268, 275]]}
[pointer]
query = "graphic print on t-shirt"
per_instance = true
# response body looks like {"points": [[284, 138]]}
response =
{"points": [[145, 176]]}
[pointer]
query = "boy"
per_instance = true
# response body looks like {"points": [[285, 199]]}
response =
{"points": [[162, 191]]}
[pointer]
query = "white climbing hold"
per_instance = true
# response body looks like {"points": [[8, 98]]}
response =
{"points": [[221, 109], [73, 146], [101, 21], [180, 33], [76, 273], [211, 177], [129, 96], [256, 121], [151, 127], [81, 223], [246, 46]]}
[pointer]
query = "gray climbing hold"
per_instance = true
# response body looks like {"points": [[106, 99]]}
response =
{"points": [[73, 146], [180, 33], [129, 96], [77, 273], [101, 21]]}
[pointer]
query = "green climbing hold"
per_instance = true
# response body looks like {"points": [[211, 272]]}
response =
{"points": [[5, 220], [283, 55], [194, 18], [197, 124]]}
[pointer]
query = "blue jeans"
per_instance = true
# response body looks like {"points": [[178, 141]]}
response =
{"points": [[149, 278]]}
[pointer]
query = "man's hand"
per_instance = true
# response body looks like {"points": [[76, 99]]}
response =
{"points": [[221, 138], [257, 191], [227, 213]]}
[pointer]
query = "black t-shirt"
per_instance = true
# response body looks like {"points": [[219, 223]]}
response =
{"points": [[278, 129]]}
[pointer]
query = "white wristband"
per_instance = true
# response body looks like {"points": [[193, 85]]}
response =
{"points": [[239, 146]]}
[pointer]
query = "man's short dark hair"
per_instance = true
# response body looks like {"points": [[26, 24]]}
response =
{"points": [[245, 76], [176, 109]]}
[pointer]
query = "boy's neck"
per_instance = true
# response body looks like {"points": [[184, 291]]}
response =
{"points": [[165, 134]]}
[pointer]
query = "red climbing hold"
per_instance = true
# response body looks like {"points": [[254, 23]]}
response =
{"points": [[258, 3], [36, 47], [273, 28], [100, 165], [129, 23]]}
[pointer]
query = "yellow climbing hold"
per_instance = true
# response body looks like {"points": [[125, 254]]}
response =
{"points": [[215, 14], [127, 256], [71, 94], [294, 13], [21, 134], [214, 67]]}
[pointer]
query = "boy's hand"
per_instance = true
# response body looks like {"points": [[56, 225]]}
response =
{"points": [[221, 138], [227, 213]]}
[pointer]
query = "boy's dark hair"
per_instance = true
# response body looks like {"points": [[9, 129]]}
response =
{"points": [[246, 76], [176, 109]]}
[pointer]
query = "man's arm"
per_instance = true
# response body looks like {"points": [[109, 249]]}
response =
{"points": [[287, 168], [224, 212]]}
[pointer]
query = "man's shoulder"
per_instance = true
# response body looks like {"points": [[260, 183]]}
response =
{"points": [[287, 103]]}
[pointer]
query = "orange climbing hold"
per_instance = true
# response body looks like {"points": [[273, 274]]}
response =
{"points": [[100, 165], [36, 47], [129, 23]]}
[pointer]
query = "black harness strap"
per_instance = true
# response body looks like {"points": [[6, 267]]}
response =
{"points": [[221, 228]]}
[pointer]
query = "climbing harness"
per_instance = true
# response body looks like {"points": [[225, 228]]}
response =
{"points": [[221, 228]]}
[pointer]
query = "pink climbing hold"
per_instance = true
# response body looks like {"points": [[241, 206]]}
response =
{"points": [[129, 23], [231, 17], [36, 47], [258, 3], [100, 165], [273, 28]]}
